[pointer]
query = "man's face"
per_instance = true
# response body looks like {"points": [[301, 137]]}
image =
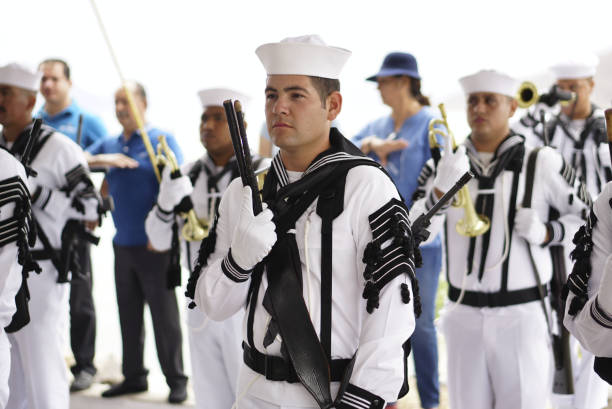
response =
{"points": [[295, 115], [15, 104], [123, 111], [214, 132], [488, 114], [54, 86], [583, 88]]}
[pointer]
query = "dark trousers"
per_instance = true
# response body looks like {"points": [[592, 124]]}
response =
{"points": [[82, 314], [140, 276]]}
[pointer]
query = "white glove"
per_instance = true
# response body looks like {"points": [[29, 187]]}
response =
{"points": [[254, 236], [604, 295], [172, 191], [451, 167], [528, 225]]}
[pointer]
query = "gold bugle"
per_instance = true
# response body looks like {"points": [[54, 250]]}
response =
{"points": [[193, 229], [472, 224]]}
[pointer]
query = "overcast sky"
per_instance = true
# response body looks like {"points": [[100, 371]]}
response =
{"points": [[175, 48]]}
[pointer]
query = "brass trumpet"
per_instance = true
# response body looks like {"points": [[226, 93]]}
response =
{"points": [[472, 224], [527, 95], [194, 229]]}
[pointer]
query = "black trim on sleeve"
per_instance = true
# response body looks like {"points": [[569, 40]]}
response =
{"points": [[355, 397], [232, 270], [600, 316], [391, 228]]}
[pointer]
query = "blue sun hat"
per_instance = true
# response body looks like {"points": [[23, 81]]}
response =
{"points": [[397, 64]]}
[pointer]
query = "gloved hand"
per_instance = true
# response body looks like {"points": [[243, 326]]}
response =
{"points": [[172, 191], [451, 167], [604, 295], [528, 225], [254, 236]]}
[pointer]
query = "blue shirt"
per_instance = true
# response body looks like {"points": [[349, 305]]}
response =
{"points": [[134, 191], [405, 165], [67, 122]]}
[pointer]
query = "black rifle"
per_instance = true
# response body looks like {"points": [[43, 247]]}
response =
{"points": [[32, 138], [421, 223], [79, 130], [73, 234]]}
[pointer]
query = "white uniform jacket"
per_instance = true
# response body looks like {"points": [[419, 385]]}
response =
{"points": [[376, 338], [551, 187], [10, 272], [583, 145], [592, 323]]}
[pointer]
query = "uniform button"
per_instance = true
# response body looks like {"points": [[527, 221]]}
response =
{"points": [[126, 149]]}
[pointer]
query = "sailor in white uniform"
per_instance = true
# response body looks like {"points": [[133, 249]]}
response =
{"points": [[15, 236], [494, 323], [61, 191], [215, 347], [338, 268], [577, 131]]}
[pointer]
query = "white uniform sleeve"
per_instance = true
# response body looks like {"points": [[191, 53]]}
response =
{"points": [[379, 364], [218, 294], [425, 199], [71, 195], [565, 192], [592, 325], [158, 226]]}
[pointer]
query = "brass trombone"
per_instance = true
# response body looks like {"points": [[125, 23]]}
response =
{"points": [[194, 229], [472, 224]]}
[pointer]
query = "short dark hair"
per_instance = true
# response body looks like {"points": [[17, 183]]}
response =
{"points": [[324, 87], [57, 61]]}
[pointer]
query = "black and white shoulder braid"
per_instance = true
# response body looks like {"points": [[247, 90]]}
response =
{"points": [[577, 282], [390, 254], [19, 228]]}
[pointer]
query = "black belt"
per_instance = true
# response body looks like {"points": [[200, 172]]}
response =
{"points": [[499, 299], [44, 254], [276, 369]]}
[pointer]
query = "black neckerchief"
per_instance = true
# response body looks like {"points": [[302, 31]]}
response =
{"points": [[508, 156], [578, 160], [213, 177]]}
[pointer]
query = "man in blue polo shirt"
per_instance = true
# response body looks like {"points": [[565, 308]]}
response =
{"points": [[140, 273], [60, 110], [62, 113]]}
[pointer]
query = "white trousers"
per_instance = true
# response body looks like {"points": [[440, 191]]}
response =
{"points": [[38, 377], [5, 367], [250, 402], [590, 391], [216, 354], [498, 358]]}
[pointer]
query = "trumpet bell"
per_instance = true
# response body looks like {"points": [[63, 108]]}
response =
{"points": [[195, 230], [473, 227], [527, 94]]}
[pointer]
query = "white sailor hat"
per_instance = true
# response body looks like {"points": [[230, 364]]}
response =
{"points": [[489, 81], [304, 55], [575, 67], [216, 96], [20, 76]]}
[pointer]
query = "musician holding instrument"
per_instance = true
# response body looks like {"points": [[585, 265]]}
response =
{"points": [[576, 129], [329, 303], [141, 274], [214, 347], [60, 191], [498, 266], [400, 142]]}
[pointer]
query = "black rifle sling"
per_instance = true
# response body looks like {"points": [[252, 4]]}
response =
{"points": [[300, 340], [529, 180]]}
